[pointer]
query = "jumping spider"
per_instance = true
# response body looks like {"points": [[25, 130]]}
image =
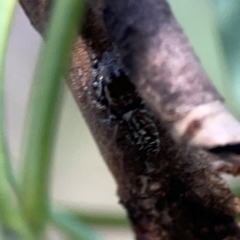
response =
{"points": [[112, 91]]}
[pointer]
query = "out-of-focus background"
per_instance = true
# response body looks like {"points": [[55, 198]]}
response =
{"points": [[80, 179]]}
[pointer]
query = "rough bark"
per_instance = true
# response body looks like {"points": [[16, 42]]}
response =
{"points": [[170, 191], [161, 63]]}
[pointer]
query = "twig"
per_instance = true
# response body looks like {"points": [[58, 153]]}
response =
{"points": [[170, 191]]}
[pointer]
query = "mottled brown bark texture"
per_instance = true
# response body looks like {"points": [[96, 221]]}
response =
{"points": [[161, 63], [171, 191]]}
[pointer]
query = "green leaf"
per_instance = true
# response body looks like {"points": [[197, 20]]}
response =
{"points": [[72, 227], [42, 115], [11, 219]]}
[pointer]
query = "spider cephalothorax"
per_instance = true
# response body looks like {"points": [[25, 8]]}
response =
{"points": [[113, 92]]}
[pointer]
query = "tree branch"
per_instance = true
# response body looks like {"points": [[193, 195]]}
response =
{"points": [[169, 190], [162, 64]]}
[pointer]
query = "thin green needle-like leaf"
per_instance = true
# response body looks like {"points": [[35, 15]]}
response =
{"points": [[6, 13], [72, 227], [12, 222], [42, 114]]}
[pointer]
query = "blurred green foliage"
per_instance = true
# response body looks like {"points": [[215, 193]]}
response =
{"points": [[42, 116], [228, 20], [211, 26], [26, 218], [12, 222]]}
